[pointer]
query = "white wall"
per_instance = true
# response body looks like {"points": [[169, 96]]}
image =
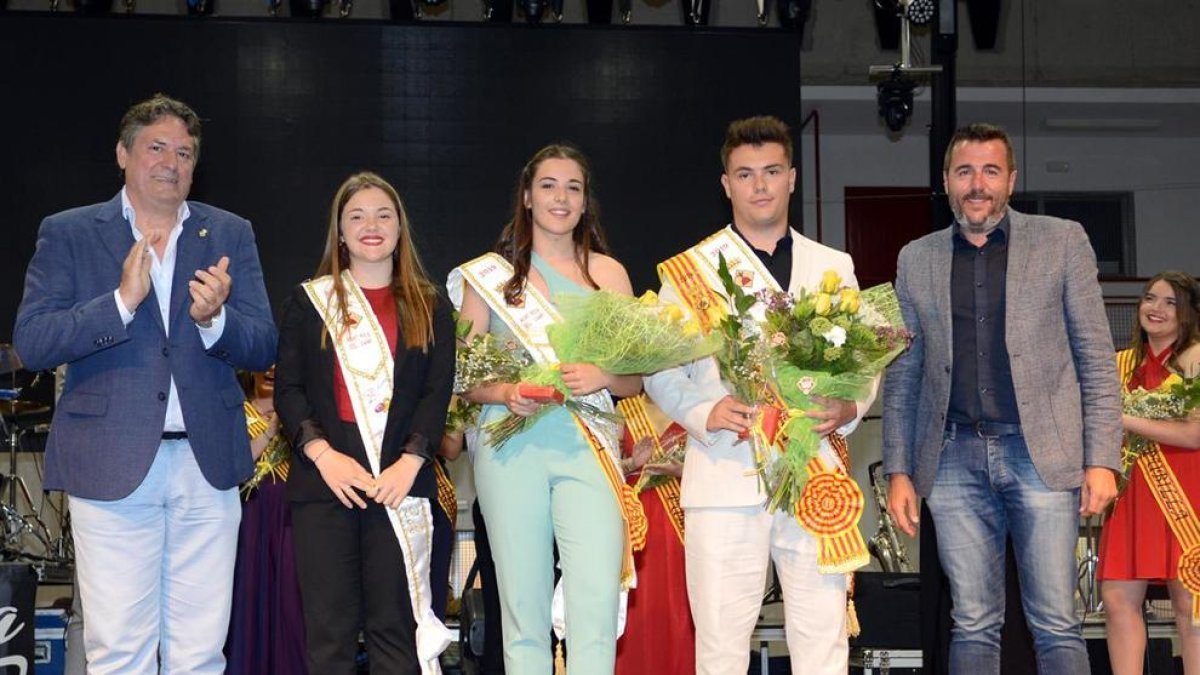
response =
{"points": [[1162, 173]]}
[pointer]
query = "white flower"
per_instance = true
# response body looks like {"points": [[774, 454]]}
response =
{"points": [[836, 336]]}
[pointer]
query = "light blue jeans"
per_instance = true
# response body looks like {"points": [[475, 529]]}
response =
{"points": [[986, 489]]}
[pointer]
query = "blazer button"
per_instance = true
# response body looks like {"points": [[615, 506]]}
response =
{"points": [[947, 369], [162, 395], [166, 351]]}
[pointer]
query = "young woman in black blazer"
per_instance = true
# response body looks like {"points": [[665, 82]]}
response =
{"points": [[351, 565]]}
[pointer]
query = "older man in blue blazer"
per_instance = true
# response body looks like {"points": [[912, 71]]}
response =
{"points": [[1005, 414], [152, 301]]}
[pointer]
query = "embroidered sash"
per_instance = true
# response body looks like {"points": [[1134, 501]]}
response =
{"points": [[1171, 498], [368, 367], [693, 275], [637, 419], [488, 274], [827, 508]]}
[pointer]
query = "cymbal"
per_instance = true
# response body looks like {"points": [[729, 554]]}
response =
{"points": [[22, 408], [9, 361]]}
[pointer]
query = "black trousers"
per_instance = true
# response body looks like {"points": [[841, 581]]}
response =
{"points": [[441, 554], [492, 662], [352, 576]]}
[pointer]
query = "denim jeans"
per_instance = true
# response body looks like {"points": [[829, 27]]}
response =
{"points": [[987, 488]]}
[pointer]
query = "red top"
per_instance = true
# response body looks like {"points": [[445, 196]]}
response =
{"points": [[384, 306]]}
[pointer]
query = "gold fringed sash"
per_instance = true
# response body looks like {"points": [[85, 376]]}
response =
{"points": [[446, 495], [638, 421], [1171, 498], [256, 424]]}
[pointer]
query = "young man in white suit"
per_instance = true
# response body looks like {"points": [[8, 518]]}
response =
{"points": [[730, 535]]}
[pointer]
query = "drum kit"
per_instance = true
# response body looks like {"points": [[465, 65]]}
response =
{"points": [[26, 403]]}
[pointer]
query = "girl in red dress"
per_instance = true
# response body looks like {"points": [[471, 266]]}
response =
{"points": [[1166, 341]]}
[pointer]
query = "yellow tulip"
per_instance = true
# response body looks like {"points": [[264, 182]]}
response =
{"points": [[691, 327], [830, 282], [823, 304], [649, 298], [674, 313], [848, 301]]}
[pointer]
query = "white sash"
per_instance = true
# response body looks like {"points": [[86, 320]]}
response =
{"points": [[367, 367]]}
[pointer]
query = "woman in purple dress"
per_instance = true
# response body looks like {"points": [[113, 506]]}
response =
{"points": [[266, 630]]}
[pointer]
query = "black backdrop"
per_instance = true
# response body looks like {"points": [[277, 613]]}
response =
{"points": [[449, 113]]}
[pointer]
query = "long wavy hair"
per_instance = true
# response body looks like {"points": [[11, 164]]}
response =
{"points": [[415, 294], [516, 240], [1187, 313]]}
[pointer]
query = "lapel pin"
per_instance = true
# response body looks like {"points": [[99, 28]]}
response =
{"points": [[203, 232]]}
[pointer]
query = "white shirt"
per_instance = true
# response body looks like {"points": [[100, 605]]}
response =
{"points": [[162, 274]]}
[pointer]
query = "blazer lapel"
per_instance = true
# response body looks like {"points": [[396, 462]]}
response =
{"points": [[801, 263], [1019, 249], [117, 235], [940, 264], [191, 253], [393, 419]]}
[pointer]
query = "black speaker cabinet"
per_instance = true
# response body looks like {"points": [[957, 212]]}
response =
{"points": [[888, 610]]}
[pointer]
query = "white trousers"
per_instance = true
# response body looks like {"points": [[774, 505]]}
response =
{"points": [[727, 551], [156, 571]]}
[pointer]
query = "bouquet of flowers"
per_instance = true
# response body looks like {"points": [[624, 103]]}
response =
{"points": [[480, 360], [1173, 399], [830, 342], [619, 334]]}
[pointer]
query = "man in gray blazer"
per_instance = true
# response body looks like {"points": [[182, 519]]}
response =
{"points": [[1005, 414], [153, 301]]}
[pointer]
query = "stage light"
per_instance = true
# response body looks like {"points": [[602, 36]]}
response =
{"points": [[895, 100], [695, 12], [532, 9], [307, 8], [200, 7], [793, 13], [919, 12]]}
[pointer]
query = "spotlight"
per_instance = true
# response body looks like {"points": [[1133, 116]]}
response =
{"points": [[200, 7], [793, 13], [533, 10], [919, 12], [895, 99]]}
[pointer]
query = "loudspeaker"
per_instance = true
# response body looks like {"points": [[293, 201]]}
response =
{"points": [[888, 606]]}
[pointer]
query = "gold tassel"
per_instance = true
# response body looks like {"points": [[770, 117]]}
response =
{"points": [[852, 626], [560, 666]]}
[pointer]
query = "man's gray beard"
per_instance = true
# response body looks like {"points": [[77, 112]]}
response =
{"points": [[983, 228]]}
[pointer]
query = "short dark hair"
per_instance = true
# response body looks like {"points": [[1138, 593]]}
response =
{"points": [[980, 132], [145, 113], [756, 131]]}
